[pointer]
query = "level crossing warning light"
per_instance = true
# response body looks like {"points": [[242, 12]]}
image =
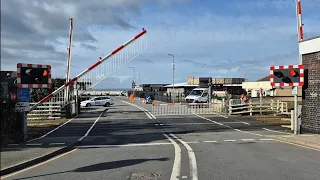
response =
{"points": [[33, 76], [292, 75]]}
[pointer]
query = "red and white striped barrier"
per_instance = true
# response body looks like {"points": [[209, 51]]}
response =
{"points": [[107, 69], [299, 20]]}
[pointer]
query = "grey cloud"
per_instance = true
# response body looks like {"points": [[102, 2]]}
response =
{"points": [[33, 28], [89, 47], [147, 60], [195, 63]]}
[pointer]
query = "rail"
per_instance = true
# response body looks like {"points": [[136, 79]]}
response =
{"points": [[258, 107]]}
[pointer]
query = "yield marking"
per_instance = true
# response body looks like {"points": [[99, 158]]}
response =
{"points": [[35, 144], [210, 141], [229, 140], [266, 139]]}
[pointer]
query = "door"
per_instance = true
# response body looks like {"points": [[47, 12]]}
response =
{"points": [[204, 96], [97, 101]]}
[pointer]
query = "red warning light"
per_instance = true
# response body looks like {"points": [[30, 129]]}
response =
{"points": [[45, 73], [293, 73]]}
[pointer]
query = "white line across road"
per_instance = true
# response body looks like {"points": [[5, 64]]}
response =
{"points": [[87, 133], [192, 158]]}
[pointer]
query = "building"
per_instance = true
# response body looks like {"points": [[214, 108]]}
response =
{"points": [[232, 85], [252, 88], [309, 50]]}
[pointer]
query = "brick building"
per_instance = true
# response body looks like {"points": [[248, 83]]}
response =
{"points": [[310, 51]]}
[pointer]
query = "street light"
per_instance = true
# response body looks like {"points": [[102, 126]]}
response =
{"points": [[172, 73], [134, 73]]}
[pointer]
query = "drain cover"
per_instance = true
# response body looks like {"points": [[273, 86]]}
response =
{"points": [[145, 176]]}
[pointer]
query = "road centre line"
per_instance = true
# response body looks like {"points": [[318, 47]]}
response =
{"points": [[192, 158], [177, 159], [87, 133], [53, 130], [229, 140]]}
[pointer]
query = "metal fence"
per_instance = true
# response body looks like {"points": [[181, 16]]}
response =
{"points": [[161, 96], [171, 109]]}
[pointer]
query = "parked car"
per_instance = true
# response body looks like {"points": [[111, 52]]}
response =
{"points": [[98, 101]]}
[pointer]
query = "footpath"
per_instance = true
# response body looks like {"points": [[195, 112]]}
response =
{"points": [[309, 140]]}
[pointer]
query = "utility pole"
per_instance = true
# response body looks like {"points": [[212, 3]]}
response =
{"points": [[173, 67], [69, 60], [139, 79]]}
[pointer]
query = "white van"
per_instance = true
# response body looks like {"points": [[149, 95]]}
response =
{"points": [[198, 95]]}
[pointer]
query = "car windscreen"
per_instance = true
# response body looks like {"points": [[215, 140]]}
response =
{"points": [[196, 92]]}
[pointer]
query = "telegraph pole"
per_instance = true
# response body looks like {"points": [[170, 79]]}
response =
{"points": [[173, 67]]}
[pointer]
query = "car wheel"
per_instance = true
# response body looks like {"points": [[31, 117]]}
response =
{"points": [[107, 104], [88, 105]]}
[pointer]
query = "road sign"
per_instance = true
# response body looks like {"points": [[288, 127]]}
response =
{"points": [[23, 94], [295, 90], [23, 106], [292, 75]]}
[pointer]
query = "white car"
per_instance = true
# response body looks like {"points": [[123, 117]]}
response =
{"points": [[98, 101]]}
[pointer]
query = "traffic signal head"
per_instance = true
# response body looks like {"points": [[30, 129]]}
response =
{"points": [[287, 75], [34, 76]]}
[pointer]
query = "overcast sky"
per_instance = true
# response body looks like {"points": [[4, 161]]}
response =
{"points": [[217, 38]]}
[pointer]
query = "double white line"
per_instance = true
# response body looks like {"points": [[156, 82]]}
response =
{"points": [[176, 169]]}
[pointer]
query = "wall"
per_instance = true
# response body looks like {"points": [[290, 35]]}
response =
{"points": [[310, 120]]}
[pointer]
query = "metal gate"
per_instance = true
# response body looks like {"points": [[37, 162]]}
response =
{"points": [[172, 109]]}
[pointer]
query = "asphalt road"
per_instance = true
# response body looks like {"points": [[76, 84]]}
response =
{"points": [[124, 142]]}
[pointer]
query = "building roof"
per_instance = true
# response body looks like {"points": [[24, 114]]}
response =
{"points": [[266, 78], [185, 84]]}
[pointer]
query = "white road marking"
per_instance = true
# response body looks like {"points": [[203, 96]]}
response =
{"points": [[245, 123], [184, 177], [87, 133], [247, 139], [210, 141], [35, 144], [57, 143], [248, 132], [229, 140], [141, 108], [52, 130], [192, 142], [266, 139], [212, 121], [275, 131], [177, 159], [192, 158], [125, 145]]}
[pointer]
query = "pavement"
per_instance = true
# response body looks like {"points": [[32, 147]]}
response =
{"points": [[126, 141]]}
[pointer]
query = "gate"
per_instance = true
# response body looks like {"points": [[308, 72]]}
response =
{"points": [[178, 109], [93, 75]]}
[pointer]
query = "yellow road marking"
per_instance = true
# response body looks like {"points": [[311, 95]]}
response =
{"points": [[31, 167]]}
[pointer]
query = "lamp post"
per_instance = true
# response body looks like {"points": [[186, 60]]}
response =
{"points": [[134, 73], [172, 74]]}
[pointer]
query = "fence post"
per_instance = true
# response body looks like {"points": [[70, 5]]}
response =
{"points": [[282, 110], [230, 106], [278, 104], [292, 120], [271, 104], [250, 107]]}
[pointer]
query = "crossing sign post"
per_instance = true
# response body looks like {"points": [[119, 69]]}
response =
{"points": [[291, 75]]}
